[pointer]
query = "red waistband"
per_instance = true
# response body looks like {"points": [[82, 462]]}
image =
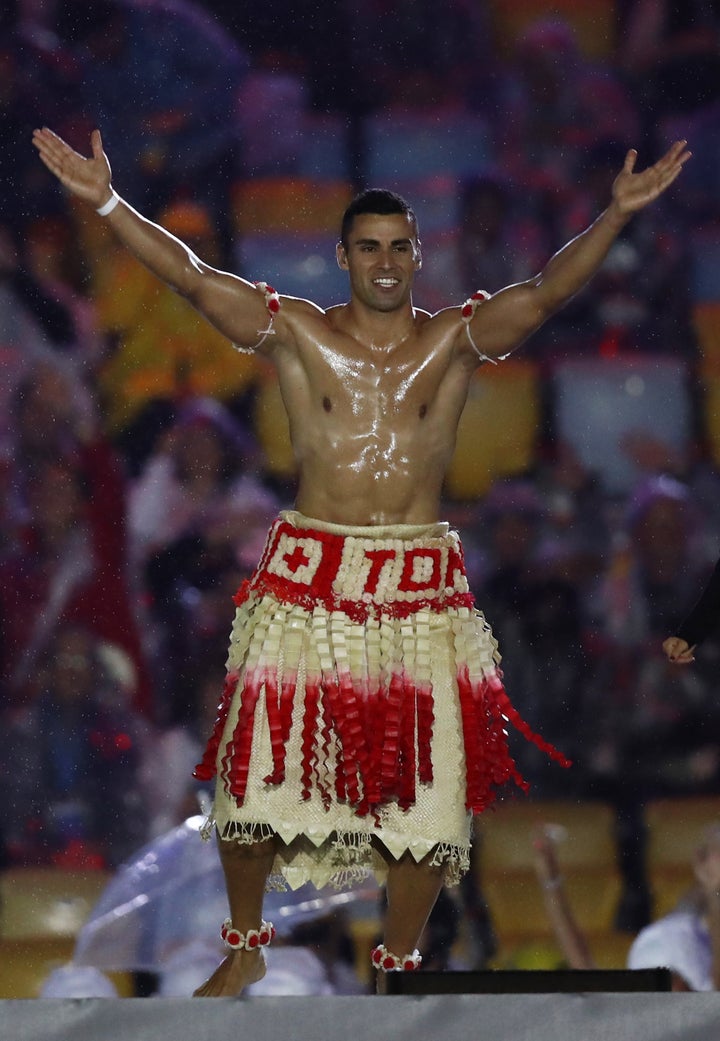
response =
{"points": [[360, 576]]}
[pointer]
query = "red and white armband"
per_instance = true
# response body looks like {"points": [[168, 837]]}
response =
{"points": [[272, 302], [467, 313]]}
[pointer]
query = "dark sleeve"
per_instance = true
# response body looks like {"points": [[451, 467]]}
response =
{"points": [[705, 615]]}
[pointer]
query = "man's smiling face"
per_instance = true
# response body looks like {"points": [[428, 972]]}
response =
{"points": [[381, 256]]}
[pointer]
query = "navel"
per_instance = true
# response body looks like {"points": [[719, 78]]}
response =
{"points": [[327, 404], [422, 411]]}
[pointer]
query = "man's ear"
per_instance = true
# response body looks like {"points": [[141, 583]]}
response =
{"points": [[418, 255], [341, 256]]}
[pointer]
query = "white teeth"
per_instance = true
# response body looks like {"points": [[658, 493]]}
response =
{"points": [[385, 281]]}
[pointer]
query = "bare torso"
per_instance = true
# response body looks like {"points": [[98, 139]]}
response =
{"points": [[373, 426]]}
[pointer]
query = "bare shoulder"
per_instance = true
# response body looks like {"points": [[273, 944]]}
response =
{"points": [[335, 315], [296, 307], [449, 329], [300, 317], [439, 326]]}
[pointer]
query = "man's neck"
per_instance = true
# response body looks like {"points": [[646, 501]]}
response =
{"points": [[377, 330]]}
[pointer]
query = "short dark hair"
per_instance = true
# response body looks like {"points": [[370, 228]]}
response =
{"points": [[377, 201]]}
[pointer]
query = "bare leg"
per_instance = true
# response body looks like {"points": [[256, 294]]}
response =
{"points": [[412, 889], [246, 869]]}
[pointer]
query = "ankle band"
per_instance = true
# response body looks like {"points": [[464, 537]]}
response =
{"points": [[386, 961], [250, 940]]}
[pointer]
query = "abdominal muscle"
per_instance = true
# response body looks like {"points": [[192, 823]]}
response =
{"points": [[380, 484]]}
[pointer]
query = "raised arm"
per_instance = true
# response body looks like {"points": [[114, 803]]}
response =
{"points": [[568, 934], [231, 304], [512, 314]]}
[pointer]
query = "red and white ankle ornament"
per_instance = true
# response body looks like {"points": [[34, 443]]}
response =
{"points": [[249, 941], [386, 961]]}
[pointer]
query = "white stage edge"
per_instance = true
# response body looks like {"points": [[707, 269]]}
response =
{"points": [[461, 1017]]}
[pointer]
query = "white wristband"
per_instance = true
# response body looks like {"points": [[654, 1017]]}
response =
{"points": [[110, 205]]}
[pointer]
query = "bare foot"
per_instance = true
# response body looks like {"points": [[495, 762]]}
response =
{"points": [[237, 971]]}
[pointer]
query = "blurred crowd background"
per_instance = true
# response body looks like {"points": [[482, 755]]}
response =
{"points": [[142, 458]]}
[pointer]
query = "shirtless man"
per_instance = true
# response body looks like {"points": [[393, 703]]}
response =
{"points": [[374, 389]]}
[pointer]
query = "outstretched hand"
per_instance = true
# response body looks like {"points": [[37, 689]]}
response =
{"points": [[632, 191], [678, 651], [87, 178]]}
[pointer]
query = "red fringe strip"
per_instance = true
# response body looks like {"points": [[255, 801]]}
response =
{"points": [[374, 711], [408, 768], [347, 723], [206, 768], [519, 723], [475, 782], [310, 717], [391, 738], [236, 761], [375, 734], [277, 744], [326, 736]]}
